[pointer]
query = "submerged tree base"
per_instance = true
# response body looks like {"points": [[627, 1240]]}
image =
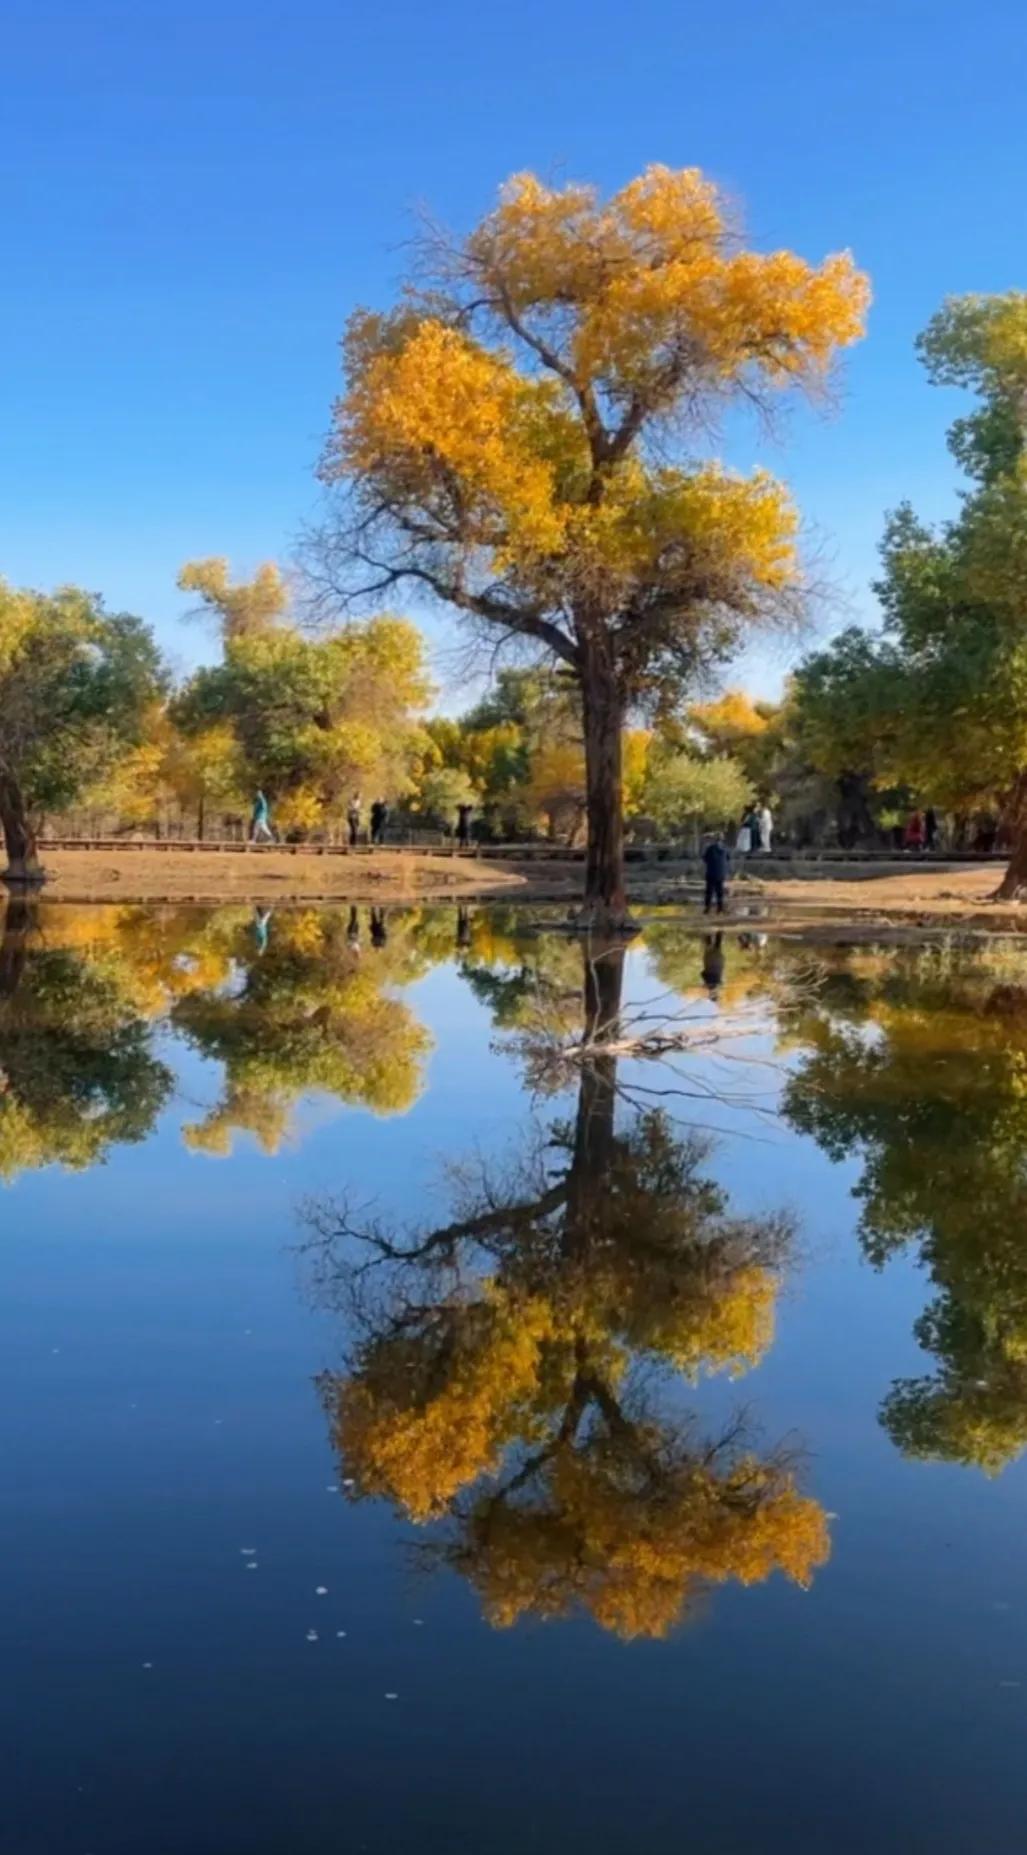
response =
{"points": [[24, 873], [605, 919]]}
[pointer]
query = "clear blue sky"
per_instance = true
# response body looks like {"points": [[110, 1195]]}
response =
{"points": [[194, 197]]}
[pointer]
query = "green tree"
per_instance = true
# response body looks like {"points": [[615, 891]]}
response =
{"points": [[940, 704], [76, 684], [519, 440], [680, 789]]}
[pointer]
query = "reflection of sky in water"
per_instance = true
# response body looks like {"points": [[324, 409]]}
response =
{"points": [[159, 1414]]}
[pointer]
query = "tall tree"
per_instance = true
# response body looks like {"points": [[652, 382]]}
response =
{"points": [[76, 684], [940, 703], [505, 442]]}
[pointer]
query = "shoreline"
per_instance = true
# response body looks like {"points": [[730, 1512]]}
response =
{"points": [[826, 896]]}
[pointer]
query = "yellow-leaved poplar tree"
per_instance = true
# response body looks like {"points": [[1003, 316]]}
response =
{"points": [[496, 444]]}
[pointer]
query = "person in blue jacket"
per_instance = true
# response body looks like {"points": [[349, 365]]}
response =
{"points": [[715, 860]]}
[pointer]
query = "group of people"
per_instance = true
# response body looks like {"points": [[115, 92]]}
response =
{"points": [[756, 831], [262, 831]]}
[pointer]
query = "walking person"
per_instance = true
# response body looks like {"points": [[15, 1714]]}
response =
{"points": [[463, 825], [914, 839], [715, 861], [379, 821], [260, 821], [930, 827], [766, 828], [353, 818]]}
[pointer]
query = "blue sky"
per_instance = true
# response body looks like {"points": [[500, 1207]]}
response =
{"points": [[195, 196]]}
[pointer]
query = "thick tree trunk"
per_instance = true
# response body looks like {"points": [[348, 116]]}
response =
{"points": [[23, 865], [1013, 887], [606, 902]]}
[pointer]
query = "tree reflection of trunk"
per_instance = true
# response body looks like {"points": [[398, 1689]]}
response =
{"points": [[21, 919]]}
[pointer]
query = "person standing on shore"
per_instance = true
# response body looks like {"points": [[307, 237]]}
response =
{"points": [[353, 816], [463, 824], [715, 862], [766, 818]]}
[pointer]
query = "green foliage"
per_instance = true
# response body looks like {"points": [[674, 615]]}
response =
{"points": [[940, 703], [917, 1068], [681, 789]]}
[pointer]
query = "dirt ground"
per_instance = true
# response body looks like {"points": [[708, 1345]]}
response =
{"points": [[929, 895], [260, 875]]}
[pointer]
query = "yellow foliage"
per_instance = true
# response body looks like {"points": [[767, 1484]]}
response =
{"points": [[421, 1442]]}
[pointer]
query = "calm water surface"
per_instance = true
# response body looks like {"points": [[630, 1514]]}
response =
{"points": [[417, 1438]]}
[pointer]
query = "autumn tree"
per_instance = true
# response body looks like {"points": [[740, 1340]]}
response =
{"points": [[497, 1380], [314, 719], [521, 439], [76, 684], [240, 608]]}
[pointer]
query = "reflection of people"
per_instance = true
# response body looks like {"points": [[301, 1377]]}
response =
{"points": [[766, 818], [260, 822], [353, 930], [353, 819], [463, 823], [379, 931], [713, 963], [379, 820], [463, 928], [715, 860], [261, 928]]}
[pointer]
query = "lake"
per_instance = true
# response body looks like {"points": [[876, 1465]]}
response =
{"points": [[464, 1390]]}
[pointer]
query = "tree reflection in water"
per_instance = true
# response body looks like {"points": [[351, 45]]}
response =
{"points": [[516, 1372], [77, 1073], [916, 1062]]}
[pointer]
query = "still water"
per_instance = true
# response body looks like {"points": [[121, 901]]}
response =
{"points": [[421, 1435]]}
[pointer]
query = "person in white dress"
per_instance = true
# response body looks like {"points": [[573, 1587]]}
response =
{"points": [[743, 842], [766, 828]]}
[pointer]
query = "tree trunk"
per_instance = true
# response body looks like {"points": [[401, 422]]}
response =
{"points": [[606, 902], [1013, 887], [23, 863]]}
